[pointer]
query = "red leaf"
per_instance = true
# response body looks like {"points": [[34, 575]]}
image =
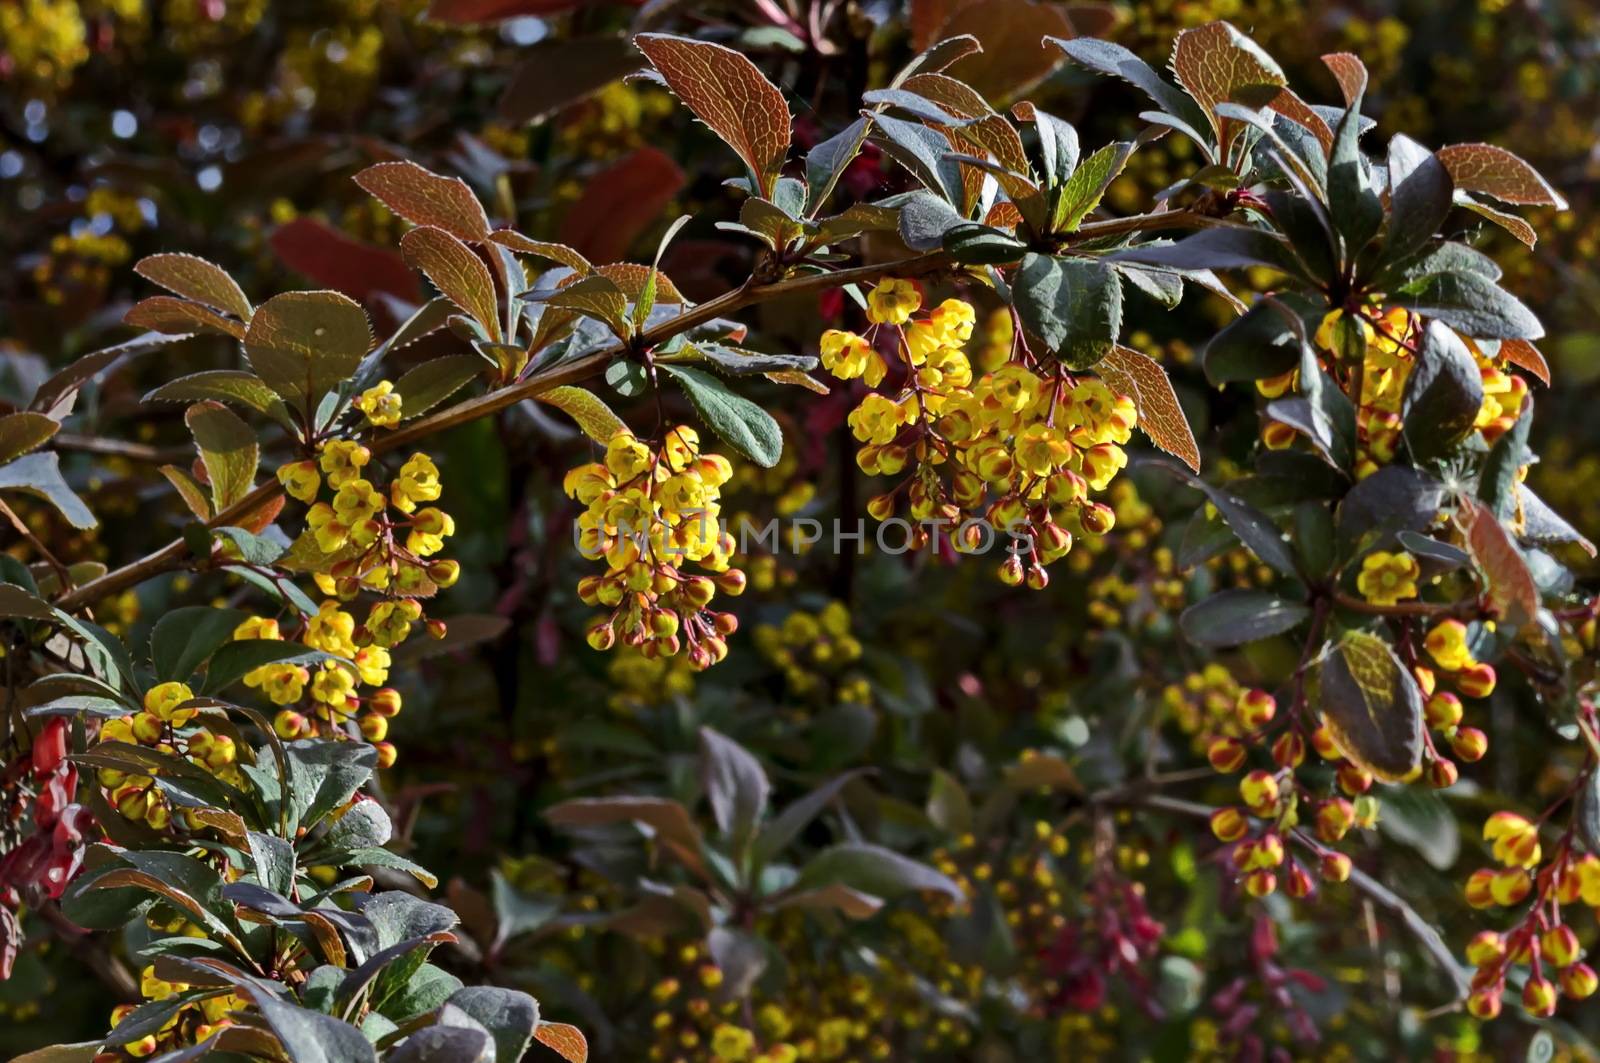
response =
{"points": [[1498, 173], [338, 261], [1143, 380], [1350, 72], [619, 202]]}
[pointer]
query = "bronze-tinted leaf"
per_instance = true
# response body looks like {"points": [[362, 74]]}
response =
{"points": [[596, 297], [1295, 109], [459, 274], [1499, 173], [1137, 376], [729, 93], [223, 385], [179, 317], [425, 198], [1371, 705], [559, 253], [1511, 223], [195, 278], [1525, 355], [631, 278], [1215, 62], [304, 344], [566, 1041], [1351, 74], [1513, 595]]}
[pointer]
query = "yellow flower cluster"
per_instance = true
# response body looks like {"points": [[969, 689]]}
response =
{"points": [[1542, 941], [816, 652], [191, 1024], [1014, 452], [647, 511], [166, 724]]}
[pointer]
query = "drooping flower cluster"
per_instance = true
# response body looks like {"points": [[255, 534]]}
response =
{"points": [[191, 1024], [647, 512], [1013, 454], [169, 724]]}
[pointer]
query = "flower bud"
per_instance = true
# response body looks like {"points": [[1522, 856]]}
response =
{"points": [[1470, 744], [1579, 981], [1322, 741], [437, 630], [1486, 947], [386, 754], [1560, 946], [602, 636], [1226, 754], [1476, 681], [444, 572], [1228, 824], [1259, 791], [1442, 774], [1539, 996], [1289, 750], [1354, 780], [1298, 882], [374, 728], [385, 701], [1443, 711], [1334, 819], [1255, 709], [1334, 867], [1260, 883]]}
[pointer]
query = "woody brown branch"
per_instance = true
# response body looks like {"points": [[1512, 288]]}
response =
{"points": [[171, 556]]}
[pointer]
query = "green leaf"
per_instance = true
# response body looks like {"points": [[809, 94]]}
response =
{"points": [[1420, 192], [735, 785], [1083, 190], [1254, 346], [311, 1037], [1073, 304], [22, 432], [973, 244], [1470, 304], [1443, 394], [874, 870], [228, 451], [305, 344], [1353, 202], [736, 361], [1220, 247], [1254, 529], [924, 152], [423, 387], [509, 1016], [591, 413], [224, 385], [326, 774], [593, 296], [1116, 61], [40, 475], [1372, 706], [185, 638], [743, 425], [1233, 617]]}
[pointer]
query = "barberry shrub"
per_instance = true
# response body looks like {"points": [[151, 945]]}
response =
{"points": [[212, 790]]}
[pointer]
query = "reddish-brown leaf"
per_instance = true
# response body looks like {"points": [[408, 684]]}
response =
{"points": [[729, 93], [336, 260], [1499, 173], [1012, 34], [619, 202], [1512, 594], [173, 316], [566, 1041], [927, 18], [195, 278], [560, 253], [632, 277], [1511, 223], [1525, 355], [1214, 62], [1295, 109], [1140, 378], [1350, 72], [458, 273], [422, 197]]}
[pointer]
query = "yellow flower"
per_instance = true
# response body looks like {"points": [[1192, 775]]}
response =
{"points": [[428, 531], [331, 630], [380, 404], [1388, 577], [300, 480], [333, 684], [847, 356], [1447, 645], [732, 1044], [893, 302], [878, 419], [418, 481], [162, 702], [342, 460], [627, 456]]}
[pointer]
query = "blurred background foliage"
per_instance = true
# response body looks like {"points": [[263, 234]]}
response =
{"points": [[230, 128]]}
